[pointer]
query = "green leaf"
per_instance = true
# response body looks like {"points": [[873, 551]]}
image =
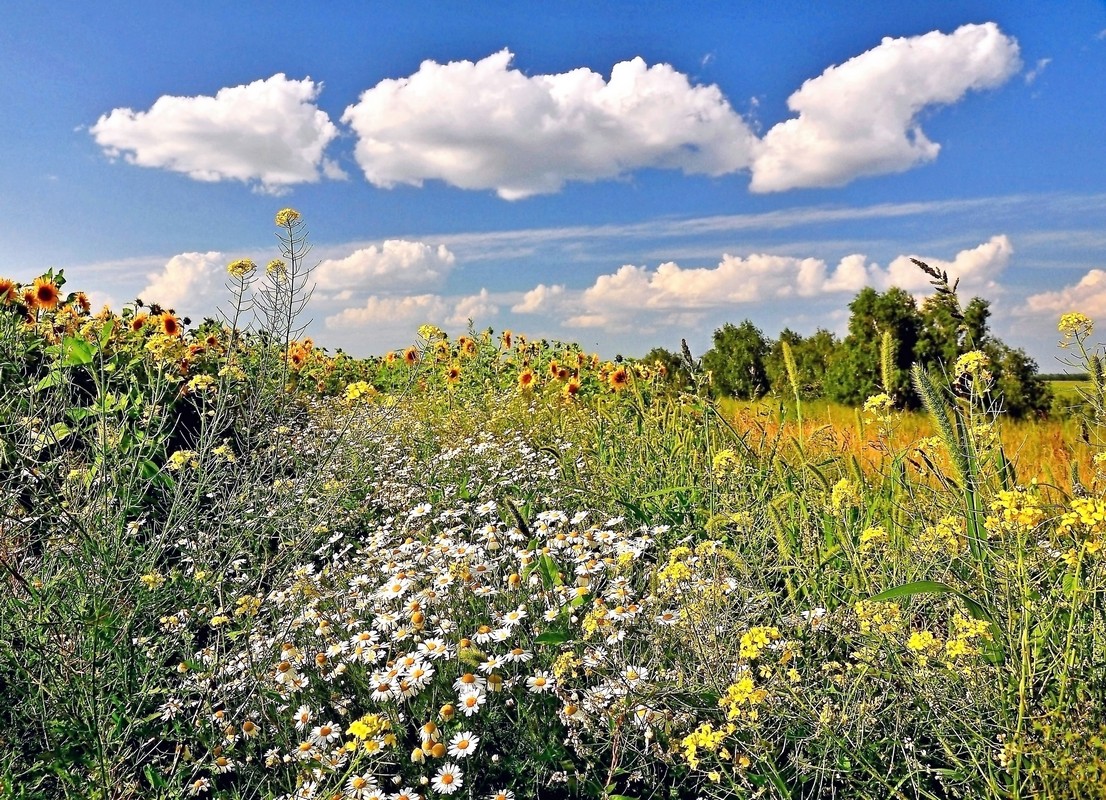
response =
{"points": [[106, 332], [553, 636], [51, 380], [75, 352]]}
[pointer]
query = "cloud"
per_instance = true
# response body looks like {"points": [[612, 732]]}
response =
{"points": [[190, 283], [636, 296], [400, 312], [1087, 296], [485, 125], [673, 294], [392, 311], [476, 307], [976, 268], [269, 133], [397, 263], [540, 298], [1032, 74], [861, 117]]}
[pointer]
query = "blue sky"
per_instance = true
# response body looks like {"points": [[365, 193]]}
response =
{"points": [[618, 174]]}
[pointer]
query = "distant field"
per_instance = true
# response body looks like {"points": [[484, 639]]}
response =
{"points": [[1069, 390], [1045, 450]]}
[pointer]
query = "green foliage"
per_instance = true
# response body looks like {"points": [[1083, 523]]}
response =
{"points": [[736, 361]]}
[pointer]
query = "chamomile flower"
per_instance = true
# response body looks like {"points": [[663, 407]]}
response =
{"points": [[463, 744], [359, 787], [448, 780], [540, 682], [326, 733], [470, 702]]}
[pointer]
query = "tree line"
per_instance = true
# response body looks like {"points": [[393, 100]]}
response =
{"points": [[745, 364]]}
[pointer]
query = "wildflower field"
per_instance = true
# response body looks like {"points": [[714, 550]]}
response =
{"points": [[235, 565]]}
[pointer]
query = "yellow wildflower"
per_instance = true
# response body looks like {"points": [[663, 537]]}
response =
{"points": [[287, 218], [1075, 325], [241, 268]]}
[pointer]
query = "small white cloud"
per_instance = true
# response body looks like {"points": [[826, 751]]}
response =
{"points": [[976, 268], [476, 307], [391, 312], [485, 125], [1032, 74], [395, 264], [268, 133], [401, 312], [1087, 296], [541, 298], [190, 283], [861, 117]]}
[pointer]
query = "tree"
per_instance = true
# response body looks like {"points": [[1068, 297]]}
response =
{"points": [[855, 373], [736, 361], [812, 356], [675, 370]]}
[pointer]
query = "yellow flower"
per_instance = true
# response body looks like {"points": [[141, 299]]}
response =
{"points": [[277, 269], [754, 640], [241, 268], [973, 363], [152, 580], [880, 405], [845, 493], [287, 218], [1075, 325]]}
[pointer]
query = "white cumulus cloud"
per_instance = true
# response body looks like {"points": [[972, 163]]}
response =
{"points": [[1087, 296], [540, 298], [637, 296], [484, 125], [190, 283], [392, 311], [477, 307], [397, 263], [976, 268], [268, 133], [861, 117]]}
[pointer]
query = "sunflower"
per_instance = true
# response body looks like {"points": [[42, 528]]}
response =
{"points": [[28, 298], [297, 355], [46, 293], [138, 322], [411, 356], [169, 324], [82, 302], [391, 357], [506, 338], [441, 350], [572, 387], [8, 291], [453, 374], [619, 379], [526, 379]]}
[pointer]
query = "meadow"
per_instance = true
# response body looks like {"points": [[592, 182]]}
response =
{"points": [[239, 566]]}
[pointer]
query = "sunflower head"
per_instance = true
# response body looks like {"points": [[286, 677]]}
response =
{"points": [[526, 379], [572, 387], [138, 322], [8, 291], [619, 379], [453, 374], [169, 323], [411, 356], [46, 293]]}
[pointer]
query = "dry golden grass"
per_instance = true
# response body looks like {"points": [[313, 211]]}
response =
{"points": [[1045, 450]]}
